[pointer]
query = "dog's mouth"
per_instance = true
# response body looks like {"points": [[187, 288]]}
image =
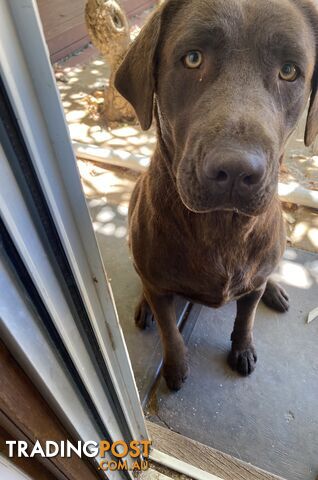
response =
{"points": [[247, 189], [200, 201], [226, 209]]}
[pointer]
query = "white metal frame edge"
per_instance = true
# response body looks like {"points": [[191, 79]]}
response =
{"points": [[31, 85]]}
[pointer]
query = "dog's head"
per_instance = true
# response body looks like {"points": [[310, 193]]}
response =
{"points": [[230, 80]]}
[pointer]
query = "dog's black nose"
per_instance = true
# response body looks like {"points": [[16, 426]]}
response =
{"points": [[235, 171]]}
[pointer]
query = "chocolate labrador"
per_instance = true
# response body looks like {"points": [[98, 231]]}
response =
{"points": [[227, 82]]}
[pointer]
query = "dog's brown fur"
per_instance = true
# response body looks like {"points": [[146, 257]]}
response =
{"points": [[186, 236]]}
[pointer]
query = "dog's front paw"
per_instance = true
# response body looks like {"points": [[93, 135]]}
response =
{"points": [[243, 360], [175, 374], [276, 297]]}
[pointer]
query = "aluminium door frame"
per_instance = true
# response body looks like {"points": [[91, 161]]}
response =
{"points": [[30, 83]]}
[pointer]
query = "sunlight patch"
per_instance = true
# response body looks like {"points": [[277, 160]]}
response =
{"points": [[293, 274], [105, 215]]}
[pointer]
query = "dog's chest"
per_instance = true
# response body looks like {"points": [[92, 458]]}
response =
{"points": [[209, 276], [208, 263]]}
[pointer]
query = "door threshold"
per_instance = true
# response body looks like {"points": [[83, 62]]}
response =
{"points": [[198, 461]]}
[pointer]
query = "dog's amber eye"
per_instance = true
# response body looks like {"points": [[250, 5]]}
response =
{"points": [[193, 59], [289, 72]]}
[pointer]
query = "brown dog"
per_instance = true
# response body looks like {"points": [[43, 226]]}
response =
{"points": [[229, 81]]}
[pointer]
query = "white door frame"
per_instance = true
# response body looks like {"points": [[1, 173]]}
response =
{"points": [[30, 83]]}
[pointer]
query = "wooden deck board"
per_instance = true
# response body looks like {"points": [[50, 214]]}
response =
{"points": [[204, 457], [63, 16]]}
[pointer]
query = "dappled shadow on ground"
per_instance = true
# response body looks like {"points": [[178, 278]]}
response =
{"points": [[302, 227], [82, 93]]}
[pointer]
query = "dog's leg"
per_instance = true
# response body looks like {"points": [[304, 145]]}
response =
{"points": [[175, 368], [275, 297], [242, 357], [143, 314]]}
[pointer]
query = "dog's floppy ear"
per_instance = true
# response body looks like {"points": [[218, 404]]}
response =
{"points": [[135, 76], [312, 119]]}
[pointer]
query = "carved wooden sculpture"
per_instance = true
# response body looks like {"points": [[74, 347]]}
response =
{"points": [[109, 32]]}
